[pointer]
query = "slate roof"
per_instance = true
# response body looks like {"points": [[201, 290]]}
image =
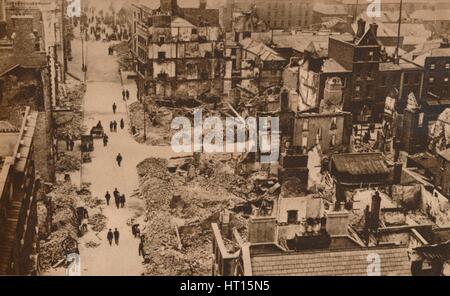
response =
{"points": [[393, 261], [360, 163], [261, 50]]}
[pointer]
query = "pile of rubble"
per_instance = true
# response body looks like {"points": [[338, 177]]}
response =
{"points": [[68, 163], [125, 57], [97, 222], [60, 205], [72, 99], [181, 205], [157, 124]]}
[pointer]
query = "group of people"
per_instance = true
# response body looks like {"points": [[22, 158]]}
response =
{"points": [[137, 234], [113, 125], [125, 94], [113, 235], [119, 199]]}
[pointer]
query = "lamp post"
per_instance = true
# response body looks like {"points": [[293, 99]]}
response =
{"points": [[144, 104]]}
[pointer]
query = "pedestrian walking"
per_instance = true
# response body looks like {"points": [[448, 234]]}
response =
{"points": [[122, 200], [115, 126], [110, 237], [114, 107], [111, 126], [141, 249], [116, 236], [123, 95], [119, 159], [107, 197], [122, 123], [116, 197], [133, 130], [127, 93], [105, 140]]}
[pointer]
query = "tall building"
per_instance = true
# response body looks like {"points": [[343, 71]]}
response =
{"points": [[18, 186], [178, 51]]}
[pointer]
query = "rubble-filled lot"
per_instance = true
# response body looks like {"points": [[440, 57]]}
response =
{"points": [[71, 123], [188, 200]]}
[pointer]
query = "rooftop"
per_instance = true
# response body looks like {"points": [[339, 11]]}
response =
{"points": [[394, 261], [261, 50], [360, 163]]}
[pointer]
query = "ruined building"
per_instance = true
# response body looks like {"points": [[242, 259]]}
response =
{"points": [[178, 51], [25, 81]]}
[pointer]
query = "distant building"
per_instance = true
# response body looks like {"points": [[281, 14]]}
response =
{"points": [[179, 52], [323, 12], [18, 187], [283, 14]]}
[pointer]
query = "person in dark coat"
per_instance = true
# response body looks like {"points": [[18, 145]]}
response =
{"points": [[107, 197], [116, 236], [141, 249], [115, 126], [105, 140], [114, 107], [122, 200], [111, 126], [110, 237], [122, 124], [133, 130], [116, 197], [123, 94], [119, 159], [127, 93]]}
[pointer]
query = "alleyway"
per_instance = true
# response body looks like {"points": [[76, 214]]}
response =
{"points": [[104, 87]]}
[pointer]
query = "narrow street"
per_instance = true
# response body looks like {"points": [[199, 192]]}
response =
{"points": [[104, 87]]}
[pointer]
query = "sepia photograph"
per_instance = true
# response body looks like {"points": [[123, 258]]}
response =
{"points": [[224, 138]]}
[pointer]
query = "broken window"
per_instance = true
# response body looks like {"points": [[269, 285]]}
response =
{"points": [[161, 55], [305, 124], [162, 38], [318, 135], [305, 141], [292, 217], [333, 123], [333, 141]]}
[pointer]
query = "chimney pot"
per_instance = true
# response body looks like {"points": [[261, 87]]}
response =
{"points": [[374, 28], [361, 28]]}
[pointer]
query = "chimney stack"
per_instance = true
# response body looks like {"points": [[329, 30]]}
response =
{"points": [[337, 222], [375, 211], [2, 11], [361, 28], [203, 4], [262, 229], [24, 38], [169, 6]]}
